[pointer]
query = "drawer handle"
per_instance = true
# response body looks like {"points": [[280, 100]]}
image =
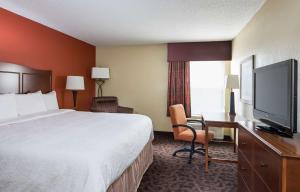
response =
{"points": [[243, 143], [243, 168], [262, 164]]}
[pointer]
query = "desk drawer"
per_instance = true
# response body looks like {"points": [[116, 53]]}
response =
{"points": [[268, 166], [245, 144]]}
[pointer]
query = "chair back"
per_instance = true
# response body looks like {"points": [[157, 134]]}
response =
{"points": [[178, 116], [108, 104]]}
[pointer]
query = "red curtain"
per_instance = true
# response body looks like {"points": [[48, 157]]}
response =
{"points": [[179, 85]]}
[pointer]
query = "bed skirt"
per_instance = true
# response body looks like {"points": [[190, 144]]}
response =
{"points": [[130, 180]]}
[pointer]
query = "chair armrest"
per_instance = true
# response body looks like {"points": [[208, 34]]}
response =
{"points": [[196, 121], [189, 127], [125, 109]]}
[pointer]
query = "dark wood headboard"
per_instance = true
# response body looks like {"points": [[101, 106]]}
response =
{"points": [[16, 78]]}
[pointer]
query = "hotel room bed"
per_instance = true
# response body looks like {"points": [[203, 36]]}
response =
{"points": [[66, 150]]}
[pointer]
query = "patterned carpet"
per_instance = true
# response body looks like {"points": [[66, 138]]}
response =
{"points": [[173, 174]]}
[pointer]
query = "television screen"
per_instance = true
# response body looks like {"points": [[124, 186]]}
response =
{"points": [[275, 95]]}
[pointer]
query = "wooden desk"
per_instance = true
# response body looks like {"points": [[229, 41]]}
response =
{"points": [[221, 120]]}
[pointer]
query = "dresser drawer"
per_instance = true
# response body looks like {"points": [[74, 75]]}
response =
{"points": [[258, 185], [245, 170], [267, 166], [242, 186], [245, 144]]}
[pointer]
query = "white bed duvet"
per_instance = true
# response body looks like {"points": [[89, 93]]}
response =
{"points": [[69, 151]]}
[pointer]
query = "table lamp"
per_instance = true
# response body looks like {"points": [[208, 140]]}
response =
{"points": [[100, 74], [75, 84], [232, 82]]}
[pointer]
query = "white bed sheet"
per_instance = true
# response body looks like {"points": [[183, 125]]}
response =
{"points": [[69, 151]]}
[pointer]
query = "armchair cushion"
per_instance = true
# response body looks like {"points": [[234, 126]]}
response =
{"points": [[108, 104], [125, 109], [187, 135]]}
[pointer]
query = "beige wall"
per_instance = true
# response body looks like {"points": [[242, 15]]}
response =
{"points": [[139, 73], [273, 35], [139, 77]]}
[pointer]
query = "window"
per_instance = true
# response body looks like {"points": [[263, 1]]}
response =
{"points": [[207, 86]]}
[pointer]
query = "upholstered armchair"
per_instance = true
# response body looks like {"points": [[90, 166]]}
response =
{"points": [[108, 104]]}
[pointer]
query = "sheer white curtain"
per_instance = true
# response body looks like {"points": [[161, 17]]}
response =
{"points": [[208, 89], [207, 86]]}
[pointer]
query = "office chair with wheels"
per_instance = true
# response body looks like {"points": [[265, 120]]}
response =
{"points": [[182, 131]]}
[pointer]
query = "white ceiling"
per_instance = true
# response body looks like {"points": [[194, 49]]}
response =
{"points": [[120, 22]]}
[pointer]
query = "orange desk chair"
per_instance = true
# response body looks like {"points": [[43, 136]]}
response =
{"points": [[182, 131]]}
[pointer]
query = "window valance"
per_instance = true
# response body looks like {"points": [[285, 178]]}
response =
{"points": [[200, 51]]}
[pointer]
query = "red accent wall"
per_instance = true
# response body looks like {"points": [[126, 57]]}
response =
{"points": [[25, 42]]}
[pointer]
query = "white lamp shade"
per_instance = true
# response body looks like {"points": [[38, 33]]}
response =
{"points": [[75, 83], [232, 82], [100, 73]]}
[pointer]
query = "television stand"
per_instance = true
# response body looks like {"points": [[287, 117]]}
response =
{"points": [[272, 130], [271, 160]]}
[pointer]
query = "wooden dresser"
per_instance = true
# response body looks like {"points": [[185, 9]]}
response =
{"points": [[267, 162]]}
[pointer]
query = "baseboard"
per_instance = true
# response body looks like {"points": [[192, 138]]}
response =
{"points": [[163, 133], [227, 138]]}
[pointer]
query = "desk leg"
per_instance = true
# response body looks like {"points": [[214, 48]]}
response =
{"points": [[206, 148], [234, 140]]}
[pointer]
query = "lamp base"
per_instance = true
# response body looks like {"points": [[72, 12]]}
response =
{"points": [[74, 98], [100, 82], [232, 105]]}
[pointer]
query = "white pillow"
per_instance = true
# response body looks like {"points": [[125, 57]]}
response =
{"points": [[8, 107], [50, 100], [30, 103]]}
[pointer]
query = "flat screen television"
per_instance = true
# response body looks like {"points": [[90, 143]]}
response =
{"points": [[275, 97]]}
